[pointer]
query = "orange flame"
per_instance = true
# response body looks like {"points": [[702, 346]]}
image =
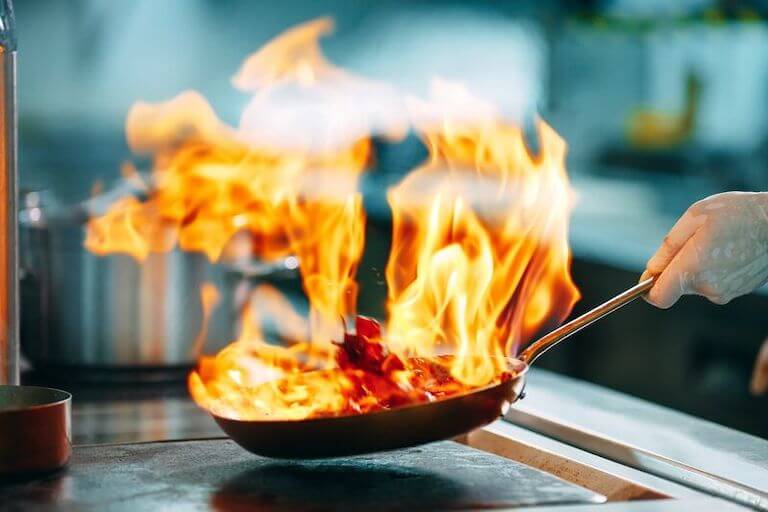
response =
{"points": [[480, 256], [251, 377], [295, 57], [212, 181], [479, 259]]}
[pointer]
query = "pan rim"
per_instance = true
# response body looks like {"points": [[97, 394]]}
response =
{"points": [[518, 374], [67, 397]]}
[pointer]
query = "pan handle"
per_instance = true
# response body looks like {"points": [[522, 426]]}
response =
{"points": [[538, 347]]}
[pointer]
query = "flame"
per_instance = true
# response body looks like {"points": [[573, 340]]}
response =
{"points": [[293, 57], [245, 379], [212, 181], [479, 260]]}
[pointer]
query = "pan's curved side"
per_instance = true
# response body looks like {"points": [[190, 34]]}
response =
{"points": [[35, 430], [366, 433]]}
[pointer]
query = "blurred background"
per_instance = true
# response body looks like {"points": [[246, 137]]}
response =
{"points": [[661, 103]]}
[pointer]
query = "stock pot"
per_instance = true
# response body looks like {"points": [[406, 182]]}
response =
{"points": [[81, 309]]}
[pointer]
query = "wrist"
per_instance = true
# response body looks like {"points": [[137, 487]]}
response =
{"points": [[761, 211]]}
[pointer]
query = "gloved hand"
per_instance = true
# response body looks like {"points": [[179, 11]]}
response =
{"points": [[718, 249], [759, 384]]}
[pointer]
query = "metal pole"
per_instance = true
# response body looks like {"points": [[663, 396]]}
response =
{"points": [[9, 288]]}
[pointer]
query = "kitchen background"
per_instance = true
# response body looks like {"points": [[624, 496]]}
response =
{"points": [[661, 103]]}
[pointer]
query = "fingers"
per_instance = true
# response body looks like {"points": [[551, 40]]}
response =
{"points": [[674, 261], [759, 384], [674, 281], [680, 233], [645, 275]]}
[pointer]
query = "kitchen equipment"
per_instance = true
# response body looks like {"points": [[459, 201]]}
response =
{"points": [[34, 429], [215, 474], [81, 309], [639, 455], [112, 312], [408, 425], [9, 341]]}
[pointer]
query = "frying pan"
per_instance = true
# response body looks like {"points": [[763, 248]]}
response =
{"points": [[408, 425]]}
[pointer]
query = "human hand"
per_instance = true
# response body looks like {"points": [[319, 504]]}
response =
{"points": [[718, 249]]}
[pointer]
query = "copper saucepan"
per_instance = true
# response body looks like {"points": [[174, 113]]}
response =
{"points": [[408, 425], [35, 430]]}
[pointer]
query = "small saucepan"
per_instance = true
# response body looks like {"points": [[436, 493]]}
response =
{"points": [[408, 425], [35, 430]]}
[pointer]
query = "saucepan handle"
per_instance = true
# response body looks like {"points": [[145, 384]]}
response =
{"points": [[535, 349]]}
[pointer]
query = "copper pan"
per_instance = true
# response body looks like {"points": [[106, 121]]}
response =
{"points": [[35, 434], [409, 425]]}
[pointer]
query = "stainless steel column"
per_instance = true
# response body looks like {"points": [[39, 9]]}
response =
{"points": [[9, 315]]}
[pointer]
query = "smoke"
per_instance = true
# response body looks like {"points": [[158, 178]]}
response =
{"points": [[386, 74]]}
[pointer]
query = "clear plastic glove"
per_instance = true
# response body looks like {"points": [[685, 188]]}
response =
{"points": [[759, 384], [718, 249]]}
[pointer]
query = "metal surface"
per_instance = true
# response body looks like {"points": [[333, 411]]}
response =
{"points": [[383, 430], [112, 311], [108, 413], [540, 346], [34, 429], [696, 453], [626, 488], [615, 481], [217, 475], [104, 414], [135, 421], [9, 340], [103, 312]]}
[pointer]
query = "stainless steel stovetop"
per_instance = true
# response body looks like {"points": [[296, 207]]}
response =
{"points": [[570, 446]]}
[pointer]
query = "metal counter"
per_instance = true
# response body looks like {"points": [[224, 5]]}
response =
{"points": [[636, 433], [648, 437], [643, 456], [218, 475]]}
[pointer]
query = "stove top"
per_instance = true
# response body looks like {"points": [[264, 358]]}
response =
{"points": [[636, 454], [219, 475]]}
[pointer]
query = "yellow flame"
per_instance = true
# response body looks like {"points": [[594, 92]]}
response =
{"points": [[480, 256], [212, 181], [252, 378], [479, 259], [294, 56]]}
